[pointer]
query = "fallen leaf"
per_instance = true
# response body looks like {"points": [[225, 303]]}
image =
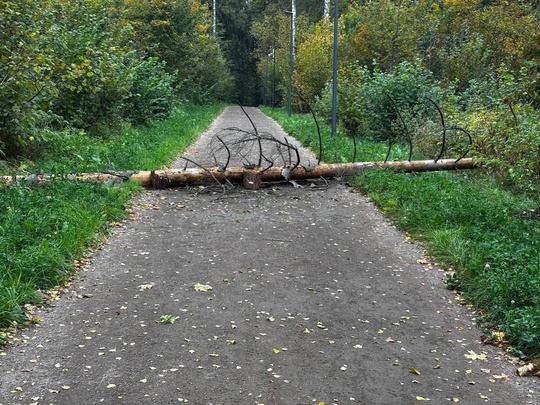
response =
{"points": [[419, 398], [143, 287], [202, 287], [475, 356], [111, 386], [412, 370], [276, 351], [498, 336], [168, 318], [527, 369]]}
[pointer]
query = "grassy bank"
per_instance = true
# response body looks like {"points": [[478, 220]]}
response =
{"points": [[43, 230], [487, 237]]}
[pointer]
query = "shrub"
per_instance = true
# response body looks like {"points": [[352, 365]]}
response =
{"points": [[26, 61], [371, 102], [506, 128], [93, 73], [152, 93]]}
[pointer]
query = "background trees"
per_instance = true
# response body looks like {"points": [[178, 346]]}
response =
{"points": [[95, 64]]}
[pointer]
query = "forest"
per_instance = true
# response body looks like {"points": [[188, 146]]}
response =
{"points": [[77, 76]]}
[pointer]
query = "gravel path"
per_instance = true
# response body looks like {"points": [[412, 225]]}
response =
{"points": [[282, 295]]}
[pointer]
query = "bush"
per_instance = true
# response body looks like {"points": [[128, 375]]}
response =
{"points": [[93, 74], [371, 101], [26, 61], [152, 93], [506, 128]]}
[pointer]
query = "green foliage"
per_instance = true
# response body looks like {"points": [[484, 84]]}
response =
{"points": [[506, 128], [26, 62], [335, 149], [176, 31], [152, 93], [371, 102], [95, 64], [383, 30], [42, 230], [151, 146], [314, 62]]}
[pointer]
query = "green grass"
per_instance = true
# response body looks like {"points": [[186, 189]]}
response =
{"points": [[467, 222], [44, 229], [139, 148], [337, 149]]}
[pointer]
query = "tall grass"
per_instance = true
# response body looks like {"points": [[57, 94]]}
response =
{"points": [[485, 235], [44, 229]]}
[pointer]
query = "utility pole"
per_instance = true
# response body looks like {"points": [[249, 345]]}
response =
{"points": [[273, 77], [291, 61], [335, 68]]}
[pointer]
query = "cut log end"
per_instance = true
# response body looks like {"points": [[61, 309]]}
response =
{"points": [[252, 178]]}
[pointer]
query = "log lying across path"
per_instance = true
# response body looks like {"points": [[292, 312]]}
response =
{"points": [[251, 177]]}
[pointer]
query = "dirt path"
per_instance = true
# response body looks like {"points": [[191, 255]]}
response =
{"points": [[314, 298]]}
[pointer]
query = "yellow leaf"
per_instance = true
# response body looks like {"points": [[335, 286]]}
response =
{"points": [[202, 287], [412, 370], [474, 356], [419, 398], [276, 351]]}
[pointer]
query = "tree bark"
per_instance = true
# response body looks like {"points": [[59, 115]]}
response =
{"points": [[251, 177]]}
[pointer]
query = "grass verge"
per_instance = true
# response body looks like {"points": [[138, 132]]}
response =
{"points": [[487, 237], [43, 230]]}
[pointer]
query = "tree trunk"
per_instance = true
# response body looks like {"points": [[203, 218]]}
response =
{"points": [[250, 177]]}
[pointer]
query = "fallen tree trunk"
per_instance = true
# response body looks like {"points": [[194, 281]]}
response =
{"points": [[182, 177]]}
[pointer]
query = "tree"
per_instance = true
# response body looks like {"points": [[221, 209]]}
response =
{"points": [[26, 65], [177, 32], [234, 21]]}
